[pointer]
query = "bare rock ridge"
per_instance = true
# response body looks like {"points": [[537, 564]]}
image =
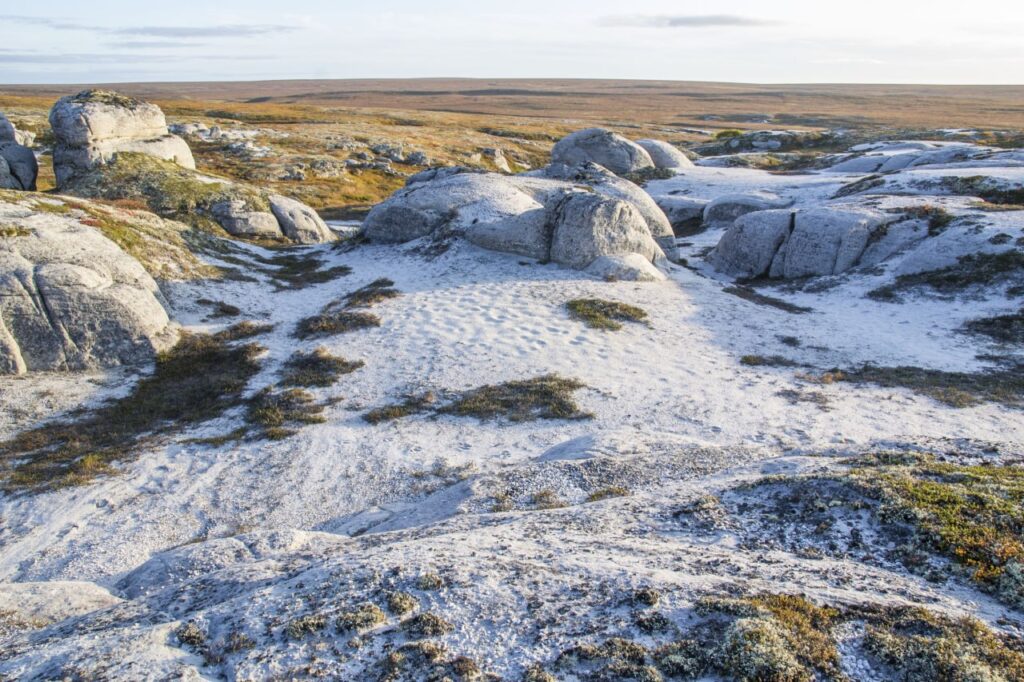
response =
{"points": [[18, 166], [71, 299]]}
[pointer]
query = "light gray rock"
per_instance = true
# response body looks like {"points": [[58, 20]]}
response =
{"points": [[589, 226], [604, 182], [299, 222], [826, 241], [93, 126], [629, 268], [8, 133], [725, 209], [747, 249], [39, 604], [685, 214], [72, 299], [21, 163], [664, 155], [240, 220], [603, 147]]}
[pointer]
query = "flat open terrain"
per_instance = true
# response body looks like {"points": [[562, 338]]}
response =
{"points": [[665, 103]]}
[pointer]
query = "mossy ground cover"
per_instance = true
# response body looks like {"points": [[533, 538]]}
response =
{"points": [[788, 638], [1007, 328], [545, 397], [1003, 385], [980, 269], [198, 379], [748, 294], [344, 315], [598, 313]]}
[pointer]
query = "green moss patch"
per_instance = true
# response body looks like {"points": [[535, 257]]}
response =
{"points": [[317, 368], [600, 314], [545, 397], [748, 294], [956, 389], [276, 413], [376, 291], [197, 380]]}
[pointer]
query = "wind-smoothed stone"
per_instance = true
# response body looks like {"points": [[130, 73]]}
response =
{"points": [[603, 147], [664, 155]]}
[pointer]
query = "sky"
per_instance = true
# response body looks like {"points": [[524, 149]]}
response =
{"points": [[799, 41]]}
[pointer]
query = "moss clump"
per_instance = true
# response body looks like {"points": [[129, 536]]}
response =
{"points": [[645, 175], [646, 596], [430, 582], [373, 293], [545, 397], [190, 634], [1003, 328], [245, 329], [198, 379], [411, 405], [607, 493], [106, 97], [274, 412], [220, 309], [363, 617], [427, 625], [985, 188], [12, 231], [401, 603], [546, 499], [303, 626], [600, 314], [333, 323], [317, 368], [937, 217], [769, 361], [293, 271], [755, 649]]}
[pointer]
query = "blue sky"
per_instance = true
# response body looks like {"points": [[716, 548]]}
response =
{"points": [[730, 40]]}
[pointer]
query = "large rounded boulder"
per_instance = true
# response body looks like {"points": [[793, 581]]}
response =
{"points": [[70, 298], [603, 147], [93, 126], [664, 155], [827, 240]]}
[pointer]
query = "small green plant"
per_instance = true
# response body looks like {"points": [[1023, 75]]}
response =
{"points": [[245, 329], [300, 627], [427, 625], [220, 308], [273, 412], [379, 290], [411, 405], [1003, 328], [333, 323], [769, 361], [546, 499], [600, 314], [429, 582], [363, 617], [401, 603], [728, 134], [190, 634], [607, 493]]}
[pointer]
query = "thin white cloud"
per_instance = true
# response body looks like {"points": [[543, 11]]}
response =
{"points": [[682, 21], [215, 31]]}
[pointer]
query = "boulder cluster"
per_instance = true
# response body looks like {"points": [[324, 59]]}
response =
{"points": [[576, 212]]}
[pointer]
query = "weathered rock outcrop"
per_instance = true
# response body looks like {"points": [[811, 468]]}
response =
{"points": [[791, 244], [665, 155], [18, 165], [548, 215], [93, 126], [603, 147], [72, 299], [9, 133]]}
